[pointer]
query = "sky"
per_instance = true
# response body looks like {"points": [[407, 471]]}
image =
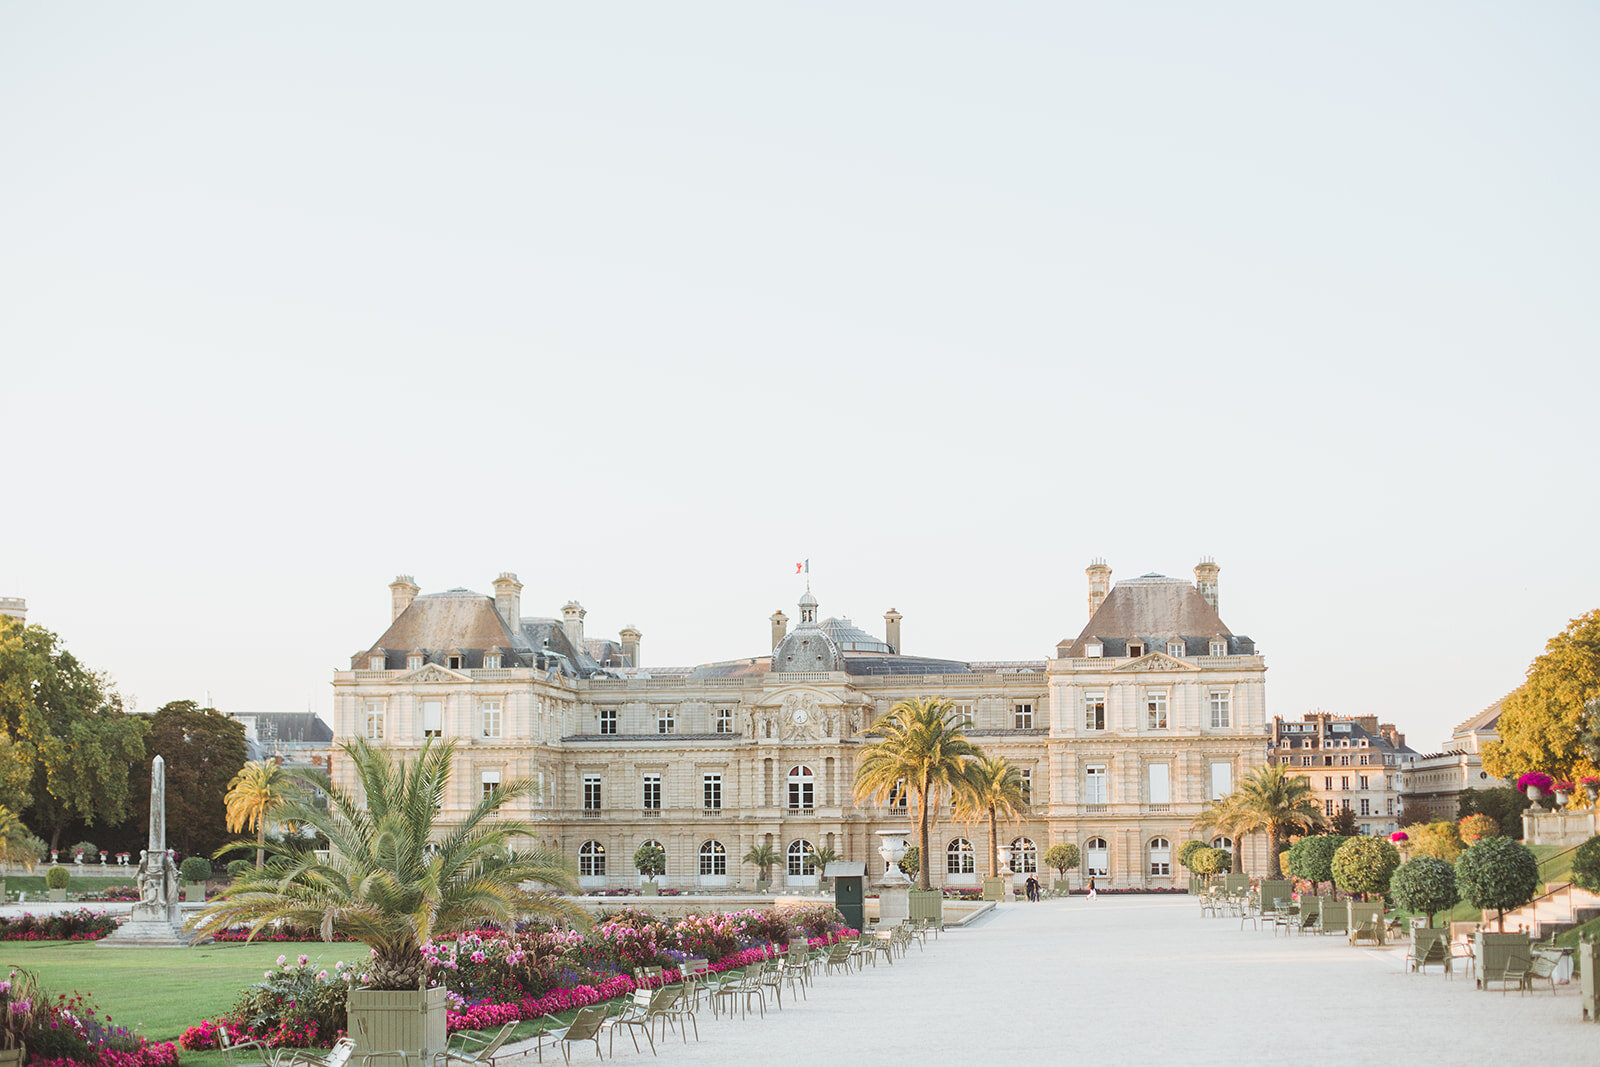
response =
{"points": [[646, 302]]}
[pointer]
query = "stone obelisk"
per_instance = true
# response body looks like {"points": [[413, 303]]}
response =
{"points": [[157, 918]]}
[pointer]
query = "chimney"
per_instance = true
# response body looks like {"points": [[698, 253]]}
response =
{"points": [[780, 626], [1205, 579], [402, 591], [1099, 584], [508, 600], [572, 614], [630, 644], [891, 629]]}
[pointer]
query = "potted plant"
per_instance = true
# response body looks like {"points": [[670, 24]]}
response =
{"points": [[1497, 873], [393, 878], [195, 872], [55, 881], [1563, 791], [1535, 784], [763, 858], [1591, 786], [1061, 858], [650, 859]]}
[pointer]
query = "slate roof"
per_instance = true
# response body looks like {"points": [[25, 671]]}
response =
{"points": [[462, 622], [1156, 609]]}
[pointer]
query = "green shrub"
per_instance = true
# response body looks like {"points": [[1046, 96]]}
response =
{"points": [[650, 860], [1425, 885], [1586, 865], [57, 878], [1187, 850], [1311, 858], [195, 869], [1062, 858], [89, 849], [239, 868], [1497, 873], [1365, 865], [1210, 861]]}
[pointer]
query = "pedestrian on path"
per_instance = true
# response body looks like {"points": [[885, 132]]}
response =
{"points": [[1091, 887], [1033, 889]]}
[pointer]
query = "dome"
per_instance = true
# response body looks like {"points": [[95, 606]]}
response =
{"points": [[807, 600], [808, 649], [851, 638]]}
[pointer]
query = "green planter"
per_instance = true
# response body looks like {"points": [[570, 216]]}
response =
{"points": [[927, 904], [649, 889], [1492, 951], [194, 893], [1363, 911], [58, 895], [413, 1020], [1588, 980], [994, 889], [1335, 917], [1275, 892]]}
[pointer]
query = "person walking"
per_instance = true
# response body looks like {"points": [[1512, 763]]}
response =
{"points": [[1091, 887]]}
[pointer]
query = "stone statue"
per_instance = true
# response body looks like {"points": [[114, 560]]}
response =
{"points": [[157, 918]]}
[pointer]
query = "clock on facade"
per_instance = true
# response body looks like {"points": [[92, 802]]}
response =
{"points": [[800, 716]]}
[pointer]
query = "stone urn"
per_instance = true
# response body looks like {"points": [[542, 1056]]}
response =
{"points": [[1534, 794], [1593, 789], [1561, 799], [892, 849]]}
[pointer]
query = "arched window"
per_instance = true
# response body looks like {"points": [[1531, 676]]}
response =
{"points": [[1024, 856], [802, 789], [1097, 858], [800, 858], [713, 860], [592, 860], [958, 857], [1224, 843], [1160, 857]]}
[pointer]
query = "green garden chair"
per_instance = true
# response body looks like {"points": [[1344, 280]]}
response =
{"points": [[474, 1048], [247, 1053], [585, 1026]]}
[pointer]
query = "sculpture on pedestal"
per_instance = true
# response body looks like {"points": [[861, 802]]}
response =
{"points": [[157, 917]]}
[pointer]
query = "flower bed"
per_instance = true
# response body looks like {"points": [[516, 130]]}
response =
{"points": [[79, 925], [68, 1031], [1155, 890]]}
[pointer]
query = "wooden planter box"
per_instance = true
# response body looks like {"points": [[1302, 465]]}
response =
{"points": [[649, 889], [1335, 917], [1363, 912], [994, 889], [58, 895], [928, 904], [385, 1020], [1274, 891], [1588, 981], [1492, 951], [195, 893]]}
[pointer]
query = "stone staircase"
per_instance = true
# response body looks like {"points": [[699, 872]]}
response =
{"points": [[1562, 907]]}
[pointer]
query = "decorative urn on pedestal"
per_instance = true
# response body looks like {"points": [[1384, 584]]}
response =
{"points": [[894, 888]]}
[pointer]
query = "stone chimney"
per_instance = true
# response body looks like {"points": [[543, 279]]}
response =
{"points": [[402, 591], [572, 614], [630, 644], [891, 629], [1099, 584], [780, 626], [1205, 579], [508, 600]]}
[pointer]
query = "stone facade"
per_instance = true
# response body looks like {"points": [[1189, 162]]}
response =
{"points": [[1431, 785], [1123, 734], [1352, 763]]}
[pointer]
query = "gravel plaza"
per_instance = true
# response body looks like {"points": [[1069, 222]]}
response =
{"points": [[1141, 979]]}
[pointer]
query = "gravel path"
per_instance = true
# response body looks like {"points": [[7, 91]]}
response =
{"points": [[1140, 979]]}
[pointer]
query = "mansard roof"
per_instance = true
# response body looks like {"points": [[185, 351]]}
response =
{"points": [[456, 618], [1156, 609]]}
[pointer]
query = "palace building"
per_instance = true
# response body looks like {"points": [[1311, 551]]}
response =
{"points": [[1122, 734]]}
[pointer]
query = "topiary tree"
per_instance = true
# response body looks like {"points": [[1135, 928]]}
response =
{"points": [[1187, 850], [1208, 860], [57, 878], [1311, 858], [1439, 839], [239, 868], [1062, 857], [1364, 865], [1474, 828], [1586, 865], [1497, 873], [651, 860], [195, 869], [1425, 885], [911, 862]]}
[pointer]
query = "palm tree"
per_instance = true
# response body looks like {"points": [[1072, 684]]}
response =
{"points": [[253, 795], [16, 842], [1222, 816], [1272, 801], [394, 878], [763, 857], [820, 858], [992, 789], [919, 743]]}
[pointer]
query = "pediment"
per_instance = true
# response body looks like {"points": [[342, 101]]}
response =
{"points": [[1156, 661], [432, 672]]}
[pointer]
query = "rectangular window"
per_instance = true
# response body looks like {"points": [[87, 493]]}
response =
{"points": [[1155, 706], [1160, 783], [724, 720], [964, 715], [1344, 783], [1094, 784], [1344, 761], [652, 792], [1327, 783], [711, 791], [489, 781], [1345, 803], [1305, 761], [491, 718], [665, 722], [1027, 785], [1094, 711], [1365, 806], [374, 726], [1388, 806], [1023, 713], [1327, 761], [1363, 780], [608, 720], [1221, 710], [591, 792], [1221, 780], [899, 795], [1327, 806], [432, 718], [713, 860]]}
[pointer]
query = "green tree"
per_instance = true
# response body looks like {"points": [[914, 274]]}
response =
{"points": [[1187, 850], [16, 842], [763, 857], [1425, 885], [1439, 839], [1586, 865], [990, 790], [1542, 723], [650, 860], [1503, 804], [1210, 861], [1311, 858], [1223, 816], [203, 750], [1364, 865], [919, 742], [69, 725], [1343, 822], [1272, 800], [1497, 873], [395, 877], [1061, 857]]}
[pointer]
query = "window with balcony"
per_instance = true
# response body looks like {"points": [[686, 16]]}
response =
{"points": [[591, 792], [489, 782], [899, 795], [1094, 711], [652, 792], [802, 789], [1094, 784], [1160, 782], [711, 791]]}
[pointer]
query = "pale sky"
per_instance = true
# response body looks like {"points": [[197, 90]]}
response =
{"points": [[646, 302]]}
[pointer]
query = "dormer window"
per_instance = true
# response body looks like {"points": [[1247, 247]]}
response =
{"points": [[415, 660], [1094, 649], [1175, 649], [375, 661], [1219, 646], [454, 663], [491, 661], [1135, 649]]}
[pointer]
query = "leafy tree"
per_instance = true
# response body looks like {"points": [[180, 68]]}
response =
{"points": [[911, 862], [16, 841], [1543, 721], [1364, 865], [1311, 858], [1472, 828], [763, 857], [254, 795], [69, 725], [195, 869], [382, 884], [919, 742], [1187, 850], [1586, 865], [991, 790], [203, 750], [1062, 857], [650, 859], [1210, 861], [1274, 801], [1439, 839], [1425, 885], [57, 878], [1503, 804], [1343, 822], [1498, 873]]}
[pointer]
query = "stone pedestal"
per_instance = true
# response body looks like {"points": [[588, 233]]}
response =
{"points": [[157, 919], [894, 904]]}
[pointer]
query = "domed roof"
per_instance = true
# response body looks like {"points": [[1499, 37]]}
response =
{"points": [[808, 648], [851, 638], [807, 600]]}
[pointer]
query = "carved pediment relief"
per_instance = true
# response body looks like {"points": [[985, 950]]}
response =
{"points": [[1156, 661], [432, 672]]}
